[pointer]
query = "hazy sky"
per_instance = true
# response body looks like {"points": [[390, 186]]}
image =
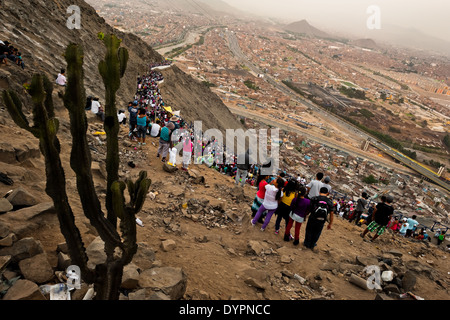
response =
{"points": [[432, 17]]}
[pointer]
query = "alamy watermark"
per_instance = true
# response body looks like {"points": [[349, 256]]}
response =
{"points": [[374, 280], [73, 274], [374, 20], [74, 21]]}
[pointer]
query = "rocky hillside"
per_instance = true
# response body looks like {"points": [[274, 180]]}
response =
{"points": [[42, 35], [196, 242]]}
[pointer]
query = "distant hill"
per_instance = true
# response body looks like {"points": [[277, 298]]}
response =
{"points": [[411, 38], [220, 6], [304, 27], [365, 43]]}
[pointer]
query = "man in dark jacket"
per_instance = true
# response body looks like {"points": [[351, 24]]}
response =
{"points": [[321, 210]]}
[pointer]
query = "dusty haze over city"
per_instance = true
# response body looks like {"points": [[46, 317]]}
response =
{"points": [[428, 17]]}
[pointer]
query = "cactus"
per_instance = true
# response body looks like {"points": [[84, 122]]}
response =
{"points": [[127, 212], [45, 129], [112, 68], [106, 276]]}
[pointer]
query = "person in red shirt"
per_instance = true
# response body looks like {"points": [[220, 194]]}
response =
{"points": [[259, 198]]}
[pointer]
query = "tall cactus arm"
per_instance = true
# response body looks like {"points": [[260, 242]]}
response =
{"points": [[80, 159], [112, 68], [48, 102], [123, 60], [118, 188], [14, 107], [141, 194]]}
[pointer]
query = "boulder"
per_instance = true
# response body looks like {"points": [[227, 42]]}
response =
{"points": [[256, 247], [27, 151], [409, 281], [255, 278], [5, 205], [24, 290], [4, 231], [138, 295], [130, 277], [168, 168], [144, 257], [22, 198], [196, 177], [64, 261], [22, 249], [4, 261], [7, 153], [8, 241], [168, 245], [393, 288], [25, 220], [395, 253], [367, 261], [171, 281], [96, 252], [36, 268]]}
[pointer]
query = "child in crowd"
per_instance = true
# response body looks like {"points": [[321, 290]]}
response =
{"points": [[261, 183], [299, 210], [187, 153], [272, 197], [404, 227], [290, 191]]}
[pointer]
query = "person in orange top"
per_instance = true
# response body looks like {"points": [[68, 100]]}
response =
{"points": [[290, 191]]}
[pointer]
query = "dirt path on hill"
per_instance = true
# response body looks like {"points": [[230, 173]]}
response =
{"points": [[217, 255]]}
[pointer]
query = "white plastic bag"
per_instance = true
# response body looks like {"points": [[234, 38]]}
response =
{"points": [[58, 291], [173, 157]]}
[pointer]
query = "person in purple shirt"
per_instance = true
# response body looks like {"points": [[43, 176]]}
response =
{"points": [[299, 210]]}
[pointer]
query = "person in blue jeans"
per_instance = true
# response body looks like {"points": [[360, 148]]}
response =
{"points": [[141, 122], [271, 199]]}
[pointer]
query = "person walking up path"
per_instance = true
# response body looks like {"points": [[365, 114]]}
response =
{"points": [[272, 198], [300, 207], [381, 216], [321, 208]]}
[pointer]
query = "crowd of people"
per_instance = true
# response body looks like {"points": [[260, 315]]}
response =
{"points": [[9, 52], [287, 196]]}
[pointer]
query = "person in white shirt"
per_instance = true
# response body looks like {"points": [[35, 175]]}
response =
{"points": [[61, 79], [95, 106], [314, 186], [270, 204], [96, 109], [155, 129], [121, 117]]}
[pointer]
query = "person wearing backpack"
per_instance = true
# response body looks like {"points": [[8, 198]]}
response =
{"points": [[320, 208]]}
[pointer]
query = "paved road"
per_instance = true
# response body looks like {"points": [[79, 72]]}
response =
{"points": [[316, 137], [236, 50]]}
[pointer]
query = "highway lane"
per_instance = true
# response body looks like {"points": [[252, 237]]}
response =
{"points": [[313, 136], [236, 50]]}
